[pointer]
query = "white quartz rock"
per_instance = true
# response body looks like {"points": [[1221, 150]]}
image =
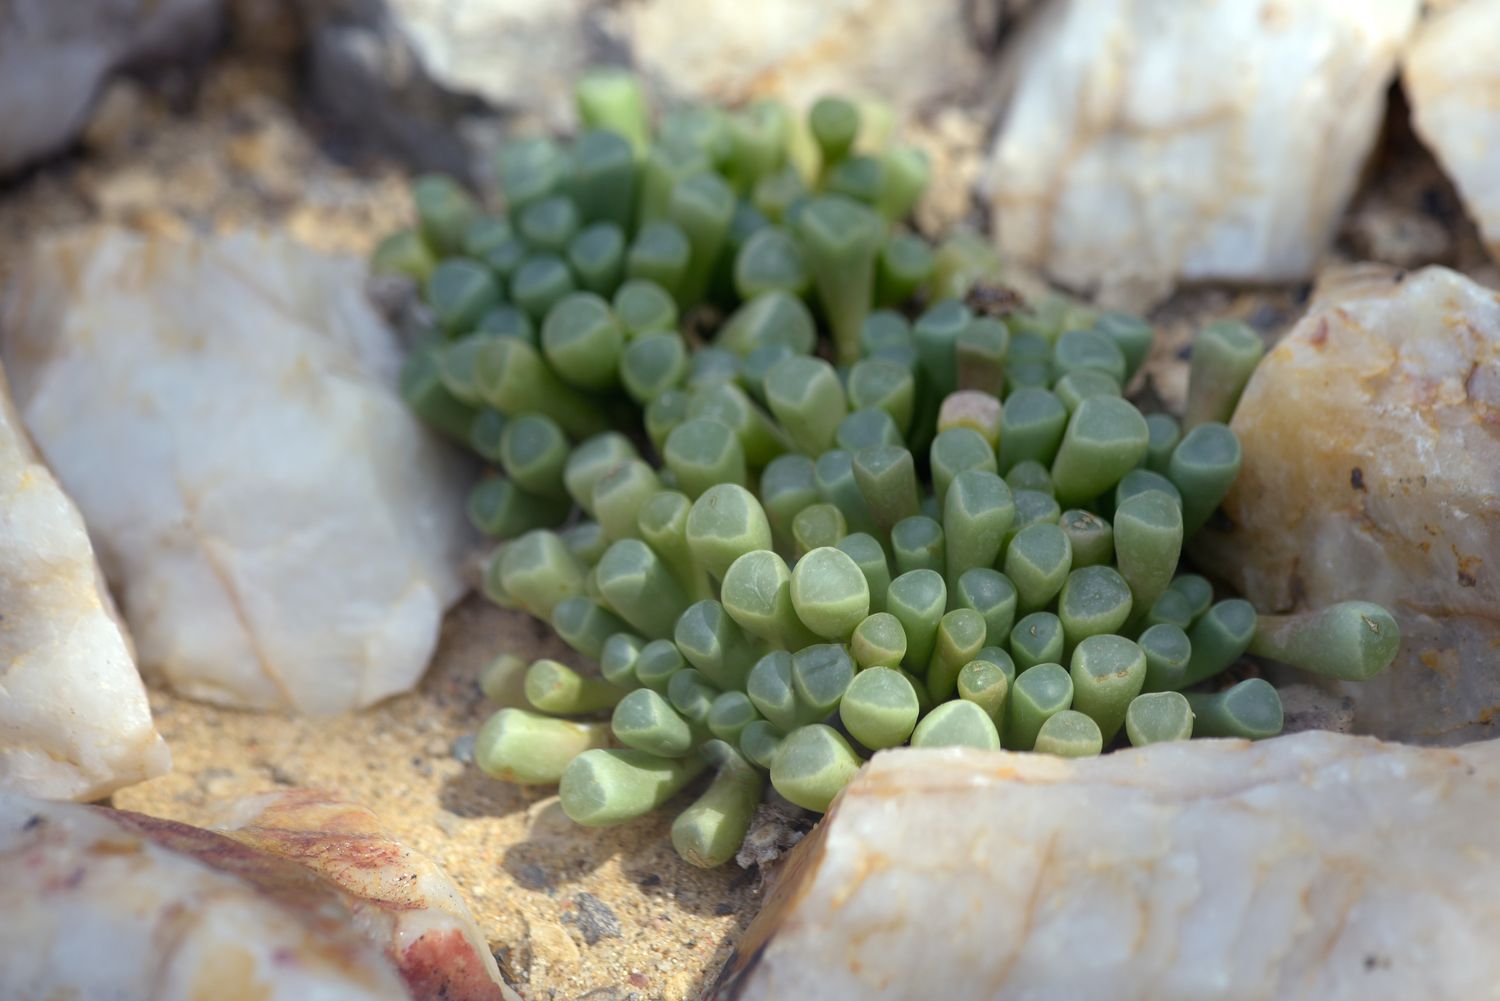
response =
{"points": [[105, 904], [1371, 437], [74, 721], [400, 900], [1149, 141], [1451, 76], [1316, 866], [282, 533], [908, 54], [55, 56]]}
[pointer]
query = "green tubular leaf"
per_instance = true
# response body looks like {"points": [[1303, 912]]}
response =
{"points": [[917, 600], [879, 708], [756, 592], [787, 485], [515, 745], [917, 543], [981, 352], [537, 571], [604, 787], [591, 461], [585, 625], [1038, 694], [529, 170], [602, 178], [445, 212], [1037, 561], [660, 253], [813, 765], [869, 555], [840, 240], [957, 724], [978, 510], [1250, 710], [936, 333], [619, 496], [725, 523], [1094, 600], [702, 206], [1168, 651], [502, 510], [533, 451], [1225, 354], [1069, 734], [1351, 641], [460, 291], [1032, 427], [960, 636], [640, 588], [881, 384], [864, 429], [1131, 334], [1203, 468], [647, 722], [817, 525], [709, 832], [582, 341], [702, 454], [821, 673], [1157, 717], [643, 306], [652, 364], [990, 593], [1148, 541], [503, 680], [615, 100], [887, 478], [1037, 639], [404, 252], [422, 390], [829, 593], [561, 691], [540, 282], [597, 258], [1164, 436], [770, 261], [1106, 438], [549, 224], [1108, 671], [878, 641], [955, 451], [986, 685], [805, 395]]}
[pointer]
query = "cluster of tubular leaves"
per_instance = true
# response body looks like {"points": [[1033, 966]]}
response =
{"points": [[958, 532], [577, 308]]}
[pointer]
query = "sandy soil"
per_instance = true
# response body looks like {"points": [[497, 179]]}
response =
{"points": [[569, 911]]}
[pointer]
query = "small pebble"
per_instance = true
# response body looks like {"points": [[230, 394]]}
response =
{"points": [[594, 918]]}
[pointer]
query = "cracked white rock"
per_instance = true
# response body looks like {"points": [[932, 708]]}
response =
{"points": [[1371, 438], [725, 50], [1315, 866], [401, 900], [107, 904], [280, 530], [1452, 80], [74, 721], [54, 57], [1150, 141]]}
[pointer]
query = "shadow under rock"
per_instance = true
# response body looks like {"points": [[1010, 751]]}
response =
{"points": [[471, 794]]}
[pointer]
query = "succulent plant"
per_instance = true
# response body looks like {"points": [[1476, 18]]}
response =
{"points": [[937, 525]]}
